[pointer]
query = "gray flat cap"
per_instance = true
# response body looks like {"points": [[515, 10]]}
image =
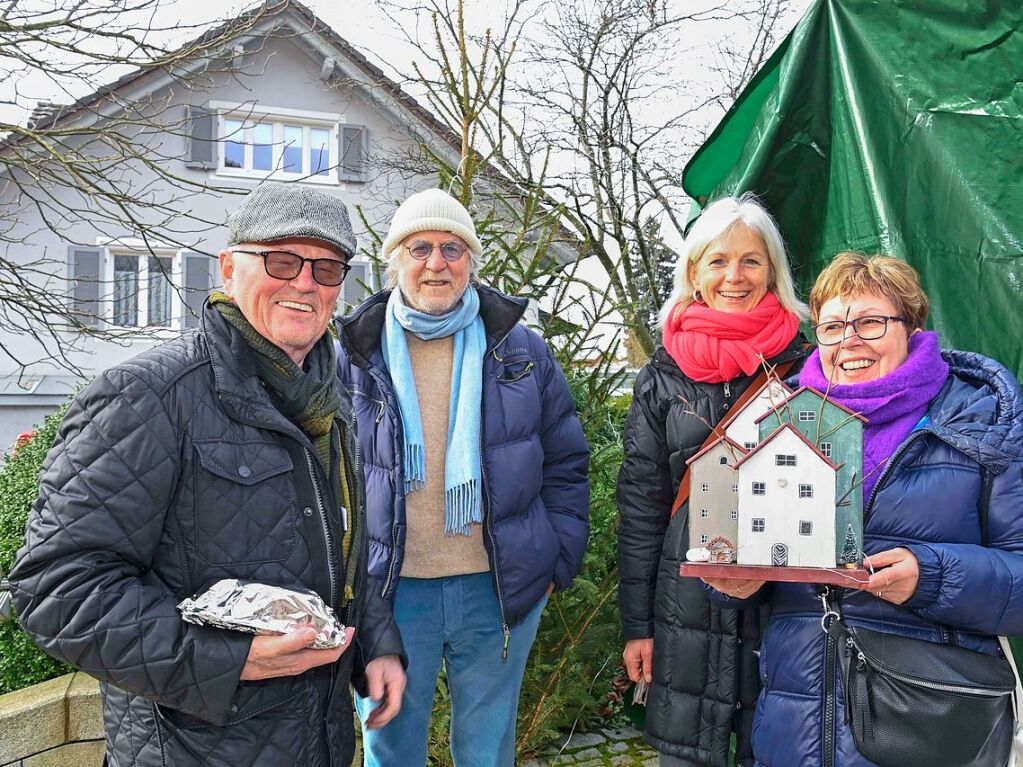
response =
{"points": [[275, 211]]}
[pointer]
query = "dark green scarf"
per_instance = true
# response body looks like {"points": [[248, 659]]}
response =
{"points": [[310, 399]]}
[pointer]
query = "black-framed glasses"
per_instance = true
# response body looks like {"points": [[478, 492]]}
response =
{"points": [[285, 265], [867, 328], [452, 250]]}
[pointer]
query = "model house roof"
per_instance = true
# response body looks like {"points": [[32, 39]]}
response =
{"points": [[795, 431], [715, 443], [728, 419], [820, 394]]}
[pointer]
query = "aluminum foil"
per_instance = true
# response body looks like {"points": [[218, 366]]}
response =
{"points": [[260, 609]]}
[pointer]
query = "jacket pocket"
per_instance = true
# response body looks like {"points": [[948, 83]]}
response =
{"points": [[244, 503]]}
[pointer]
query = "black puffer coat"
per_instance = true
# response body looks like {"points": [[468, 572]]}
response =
{"points": [[171, 471], [705, 681]]}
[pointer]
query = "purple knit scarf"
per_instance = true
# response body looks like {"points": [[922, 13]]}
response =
{"points": [[892, 404]]}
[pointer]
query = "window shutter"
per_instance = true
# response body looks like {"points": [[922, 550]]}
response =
{"points": [[202, 138], [357, 285], [199, 270], [353, 153], [84, 271]]}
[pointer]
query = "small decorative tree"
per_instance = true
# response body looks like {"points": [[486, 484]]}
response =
{"points": [[850, 551]]}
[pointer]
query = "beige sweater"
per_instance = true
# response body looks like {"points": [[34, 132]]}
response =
{"points": [[429, 553]]}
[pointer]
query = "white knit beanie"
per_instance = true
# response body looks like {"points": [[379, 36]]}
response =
{"points": [[431, 210]]}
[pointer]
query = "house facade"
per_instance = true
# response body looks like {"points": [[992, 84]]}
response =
{"points": [[290, 100], [786, 503], [742, 427], [837, 433], [714, 493]]}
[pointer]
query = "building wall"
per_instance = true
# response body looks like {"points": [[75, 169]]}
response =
{"points": [[718, 499], [782, 509], [743, 429], [844, 433]]}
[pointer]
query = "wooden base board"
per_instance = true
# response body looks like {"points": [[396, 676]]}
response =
{"points": [[836, 576]]}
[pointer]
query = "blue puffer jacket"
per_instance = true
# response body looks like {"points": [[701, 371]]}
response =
{"points": [[535, 457], [928, 500]]}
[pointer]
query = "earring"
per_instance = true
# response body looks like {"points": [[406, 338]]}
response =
{"points": [[697, 297]]}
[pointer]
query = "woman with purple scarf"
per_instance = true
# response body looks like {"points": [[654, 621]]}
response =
{"points": [[943, 505]]}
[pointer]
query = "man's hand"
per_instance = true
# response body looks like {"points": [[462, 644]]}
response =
{"points": [[896, 575], [639, 659], [385, 679], [289, 654]]}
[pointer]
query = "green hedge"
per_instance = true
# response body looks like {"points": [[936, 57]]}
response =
{"points": [[21, 662]]}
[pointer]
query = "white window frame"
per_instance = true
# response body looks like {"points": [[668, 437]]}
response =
{"points": [[735, 488], [704, 538], [805, 490], [782, 459], [807, 416], [759, 525], [278, 117], [749, 445], [734, 514], [761, 487], [110, 251], [704, 487], [825, 449], [704, 513], [807, 525]]}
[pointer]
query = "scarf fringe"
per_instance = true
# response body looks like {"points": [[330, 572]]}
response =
{"points": [[462, 508], [415, 467]]}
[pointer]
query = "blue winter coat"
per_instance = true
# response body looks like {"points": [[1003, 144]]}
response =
{"points": [[535, 457], [927, 499]]}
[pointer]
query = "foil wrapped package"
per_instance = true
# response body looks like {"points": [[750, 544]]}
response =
{"points": [[260, 609]]}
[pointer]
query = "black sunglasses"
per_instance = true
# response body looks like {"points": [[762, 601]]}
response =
{"points": [[285, 265]]}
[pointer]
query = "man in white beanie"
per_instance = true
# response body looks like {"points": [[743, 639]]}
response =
{"points": [[476, 480]]}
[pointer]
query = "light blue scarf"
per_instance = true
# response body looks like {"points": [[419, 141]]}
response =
{"points": [[463, 496]]}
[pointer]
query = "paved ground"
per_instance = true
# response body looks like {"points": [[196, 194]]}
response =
{"points": [[609, 748]]}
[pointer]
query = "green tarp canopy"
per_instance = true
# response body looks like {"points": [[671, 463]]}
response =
{"points": [[894, 126]]}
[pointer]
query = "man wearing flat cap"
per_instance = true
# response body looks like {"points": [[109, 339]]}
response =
{"points": [[229, 452], [476, 480]]}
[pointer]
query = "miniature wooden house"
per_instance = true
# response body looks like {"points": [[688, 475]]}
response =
{"points": [[786, 503], [742, 426], [713, 493], [837, 433]]}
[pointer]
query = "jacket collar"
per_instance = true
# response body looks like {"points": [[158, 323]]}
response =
{"points": [[237, 381], [360, 332]]}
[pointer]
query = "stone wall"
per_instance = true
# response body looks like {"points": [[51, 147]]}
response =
{"points": [[52, 724]]}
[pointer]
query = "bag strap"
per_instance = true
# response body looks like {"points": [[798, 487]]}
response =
{"points": [[781, 370], [1017, 697]]}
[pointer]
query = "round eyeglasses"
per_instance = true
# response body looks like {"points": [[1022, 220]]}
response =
{"points": [[867, 328], [285, 265], [451, 250]]}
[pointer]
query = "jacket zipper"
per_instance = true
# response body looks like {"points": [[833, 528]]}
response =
{"points": [[864, 661], [332, 570], [830, 657], [486, 517]]}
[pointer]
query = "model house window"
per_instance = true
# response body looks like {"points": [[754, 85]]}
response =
{"points": [[807, 415], [806, 491], [704, 486], [704, 538], [734, 513], [704, 513], [784, 460], [826, 449], [288, 147], [758, 525], [759, 488], [806, 528], [749, 445], [735, 488], [724, 460]]}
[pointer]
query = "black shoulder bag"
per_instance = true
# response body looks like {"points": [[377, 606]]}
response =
{"points": [[914, 703]]}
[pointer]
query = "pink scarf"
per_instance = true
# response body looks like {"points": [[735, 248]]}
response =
{"points": [[714, 346]]}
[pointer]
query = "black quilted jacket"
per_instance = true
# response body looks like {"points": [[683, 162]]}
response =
{"points": [[171, 471], [705, 674]]}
